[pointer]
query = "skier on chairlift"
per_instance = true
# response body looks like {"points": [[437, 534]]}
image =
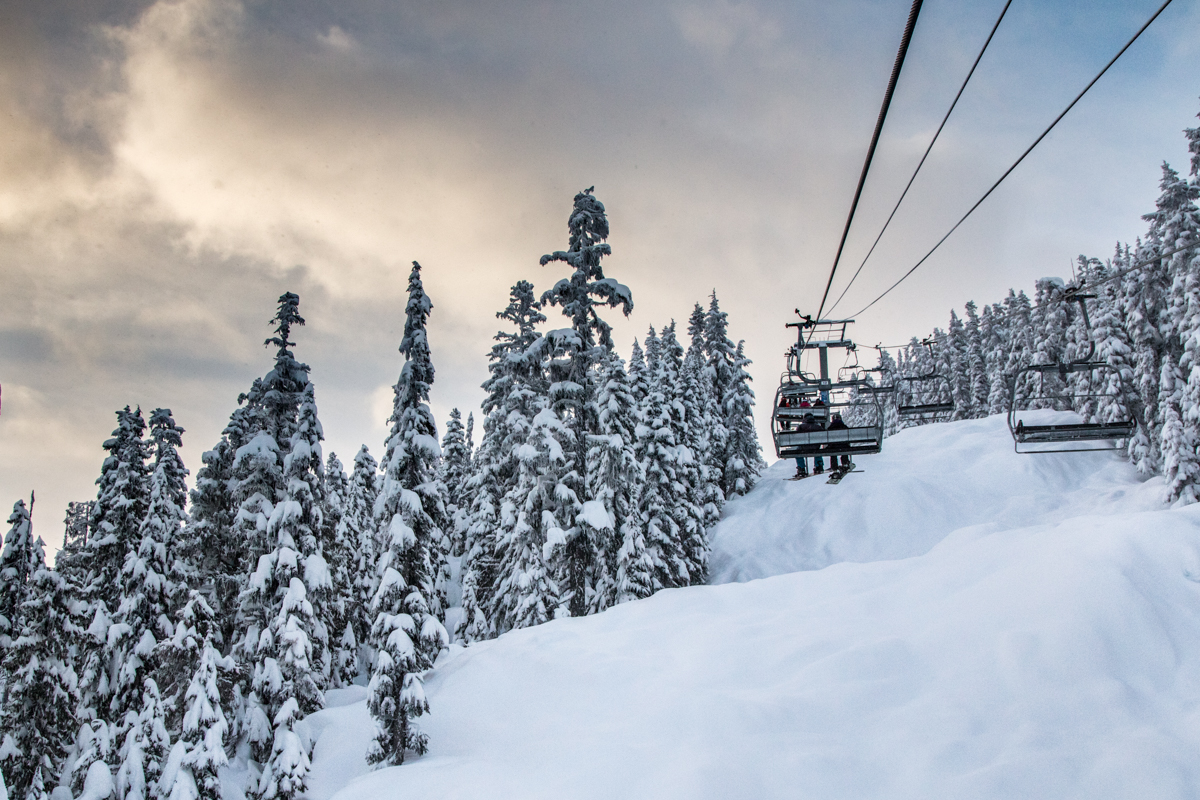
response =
{"points": [[807, 425], [836, 424]]}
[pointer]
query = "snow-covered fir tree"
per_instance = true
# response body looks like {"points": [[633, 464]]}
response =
{"points": [[287, 677], [339, 545], [114, 531], [456, 464], [516, 391], [357, 527], [21, 558], [744, 461], [410, 511], [615, 478], [41, 692], [576, 353], [149, 576]]}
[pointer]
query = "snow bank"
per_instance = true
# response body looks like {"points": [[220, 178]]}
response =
{"points": [[1039, 641], [927, 482]]}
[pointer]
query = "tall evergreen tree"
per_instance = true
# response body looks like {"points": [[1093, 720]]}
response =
{"points": [[114, 528], [576, 354], [20, 560], [357, 527], [456, 464], [532, 530], [516, 392], [744, 461], [408, 633], [150, 573], [39, 719]]}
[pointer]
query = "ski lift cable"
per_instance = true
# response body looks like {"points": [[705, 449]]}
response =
{"points": [[921, 163], [1028, 150], [862, 178]]}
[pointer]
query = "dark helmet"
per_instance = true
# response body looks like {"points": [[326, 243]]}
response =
{"points": [[837, 416], [809, 418]]}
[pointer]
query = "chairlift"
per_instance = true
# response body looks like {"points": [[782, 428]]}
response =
{"points": [[802, 393], [910, 408], [1059, 438]]}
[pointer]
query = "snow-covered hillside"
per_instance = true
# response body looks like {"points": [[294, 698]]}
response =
{"points": [[968, 623]]}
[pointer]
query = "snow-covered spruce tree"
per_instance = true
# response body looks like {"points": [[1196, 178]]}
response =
{"points": [[709, 426], [270, 420], [287, 681], [888, 373], [572, 388], [410, 512], [1181, 228], [39, 716], [456, 463], [357, 526], [210, 543], [470, 437], [120, 507], [199, 754], [149, 577], [277, 482], [1021, 345], [71, 559], [144, 746], [994, 333], [1180, 464], [532, 535], [658, 455], [958, 368], [720, 371], [687, 513], [20, 560], [701, 506], [639, 376], [745, 461], [614, 479], [976, 364], [114, 528], [516, 392], [339, 544]]}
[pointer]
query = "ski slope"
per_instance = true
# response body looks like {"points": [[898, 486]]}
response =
{"points": [[955, 622]]}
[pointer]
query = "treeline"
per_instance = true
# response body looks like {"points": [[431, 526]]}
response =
{"points": [[170, 638], [1144, 323]]}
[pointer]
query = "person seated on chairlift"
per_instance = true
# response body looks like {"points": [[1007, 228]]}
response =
{"points": [[808, 425], [804, 403], [836, 424]]}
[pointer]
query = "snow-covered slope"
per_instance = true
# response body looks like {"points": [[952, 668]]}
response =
{"points": [[997, 627], [927, 482]]}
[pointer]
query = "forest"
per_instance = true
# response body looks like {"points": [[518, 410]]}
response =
{"points": [[181, 631]]}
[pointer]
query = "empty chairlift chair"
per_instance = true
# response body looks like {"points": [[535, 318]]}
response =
{"points": [[1051, 387], [915, 404]]}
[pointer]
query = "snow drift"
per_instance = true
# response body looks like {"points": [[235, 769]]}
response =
{"points": [[956, 622]]}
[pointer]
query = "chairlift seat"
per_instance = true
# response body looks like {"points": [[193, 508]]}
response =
{"points": [[921, 409], [1076, 432], [849, 441]]}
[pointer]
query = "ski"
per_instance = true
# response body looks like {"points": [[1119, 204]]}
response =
{"points": [[838, 474]]}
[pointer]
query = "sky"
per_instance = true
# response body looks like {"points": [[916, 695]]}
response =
{"points": [[169, 168]]}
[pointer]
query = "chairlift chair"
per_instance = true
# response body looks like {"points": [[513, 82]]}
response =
{"points": [[1060, 437], [825, 396], [937, 411]]}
